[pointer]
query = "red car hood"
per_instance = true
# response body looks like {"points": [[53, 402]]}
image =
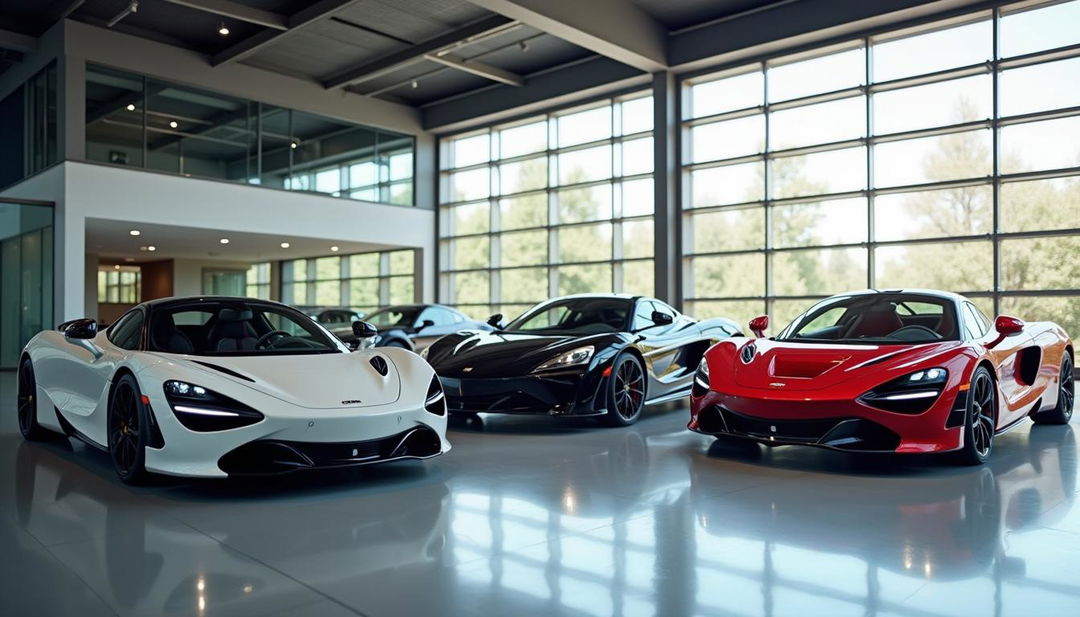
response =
{"points": [[797, 367]]}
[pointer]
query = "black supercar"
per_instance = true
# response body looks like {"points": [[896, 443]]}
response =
{"points": [[588, 355]]}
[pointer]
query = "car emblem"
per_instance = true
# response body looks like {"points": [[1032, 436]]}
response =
{"points": [[772, 428], [352, 402], [747, 353], [777, 384], [467, 369]]}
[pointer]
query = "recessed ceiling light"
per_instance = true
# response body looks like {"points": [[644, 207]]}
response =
{"points": [[116, 267], [224, 240], [135, 232], [223, 30], [285, 245], [415, 84], [334, 249], [292, 145], [151, 248], [131, 107], [173, 124]]}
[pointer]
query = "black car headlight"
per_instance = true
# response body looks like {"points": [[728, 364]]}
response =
{"points": [[574, 357], [436, 401], [204, 411], [913, 393], [701, 379]]}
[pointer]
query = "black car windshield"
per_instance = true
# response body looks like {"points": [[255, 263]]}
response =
{"points": [[875, 318], [238, 328], [393, 317], [575, 316]]}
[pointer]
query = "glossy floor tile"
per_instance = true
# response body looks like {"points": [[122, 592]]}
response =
{"points": [[534, 516]]}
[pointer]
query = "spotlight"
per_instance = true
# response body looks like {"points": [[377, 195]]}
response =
{"points": [[224, 240], [151, 248], [223, 30], [135, 232], [173, 124], [415, 84], [334, 249], [285, 245], [116, 267], [131, 106], [293, 145]]}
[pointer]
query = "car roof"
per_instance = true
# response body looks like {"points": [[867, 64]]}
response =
{"points": [[914, 291], [173, 300]]}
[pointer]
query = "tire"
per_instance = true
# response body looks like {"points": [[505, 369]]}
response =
{"points": [[26, 403], [128, 431], [979, 420], [1062, 412], [625, 391]]}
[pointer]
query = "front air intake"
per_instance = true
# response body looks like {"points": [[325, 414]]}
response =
{"points": [[380, 365], [435, 402]]}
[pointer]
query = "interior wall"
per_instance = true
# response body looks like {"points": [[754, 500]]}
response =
{"points": [[157, 279]]}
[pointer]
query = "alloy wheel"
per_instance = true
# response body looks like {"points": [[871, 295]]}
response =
{"points": [[629, 389], [26, 401], [1068, 388], [982, 414], [124, 429]]}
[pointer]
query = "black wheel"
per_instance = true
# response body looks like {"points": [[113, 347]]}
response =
{"points": [[127, 431], [979, 424], [626, 391], [27, 403], [1062, 413]]}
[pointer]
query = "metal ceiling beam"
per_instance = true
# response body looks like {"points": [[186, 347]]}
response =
{"points": [[416, 53], [132, 7], [618, 29], [296, 21], [18, 41], [240, 12], [482, 69], [62, 9], [588, 77]]}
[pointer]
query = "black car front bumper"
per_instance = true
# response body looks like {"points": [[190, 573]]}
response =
{"points": [[273, 456], [569, 393]]}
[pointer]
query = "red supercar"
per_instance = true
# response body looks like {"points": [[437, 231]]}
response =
{"points": [[906, 371]]}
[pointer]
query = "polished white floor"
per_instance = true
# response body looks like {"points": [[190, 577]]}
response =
{"points": [[540, 517]]}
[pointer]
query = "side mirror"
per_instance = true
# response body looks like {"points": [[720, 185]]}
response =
{"points": [[1008, 326], [662, 319], [362, 329], [759, 324], [427, 323], [495, 321], [80, 329]]}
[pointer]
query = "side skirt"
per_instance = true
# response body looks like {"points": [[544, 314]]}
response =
{"points": [[71, 431]]}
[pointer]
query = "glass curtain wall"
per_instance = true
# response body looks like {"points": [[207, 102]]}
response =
{"points": [[946, 156], [144, 122], [364, 281], [29, 140], [552, 205], [26, 276]]}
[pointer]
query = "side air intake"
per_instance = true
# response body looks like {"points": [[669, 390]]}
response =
{"points": [[380, 365]]}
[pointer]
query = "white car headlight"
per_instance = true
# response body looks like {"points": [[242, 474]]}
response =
{"points": [[574, 357]]}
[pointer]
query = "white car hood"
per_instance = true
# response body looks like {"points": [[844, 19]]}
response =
{"points": [[321, 381]]}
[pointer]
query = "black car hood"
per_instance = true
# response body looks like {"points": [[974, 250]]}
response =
{"points": [[505, 354]]}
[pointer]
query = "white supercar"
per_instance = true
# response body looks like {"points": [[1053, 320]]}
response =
{"points": [[217, 386]]}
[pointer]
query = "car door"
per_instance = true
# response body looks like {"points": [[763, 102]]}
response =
{"points": [[90, 374], [665, 347], [1016, 395]]}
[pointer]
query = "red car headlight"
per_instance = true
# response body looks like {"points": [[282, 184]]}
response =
{"points": [[911, 394], [701, 379]]}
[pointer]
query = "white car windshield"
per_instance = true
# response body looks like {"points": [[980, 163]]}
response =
{"points": [[215, 328]]}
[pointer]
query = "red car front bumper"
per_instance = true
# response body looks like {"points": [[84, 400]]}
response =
{"points": [[779, 419]]}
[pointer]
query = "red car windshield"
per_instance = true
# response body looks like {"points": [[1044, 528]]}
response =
{"points": [[876, 318]]}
